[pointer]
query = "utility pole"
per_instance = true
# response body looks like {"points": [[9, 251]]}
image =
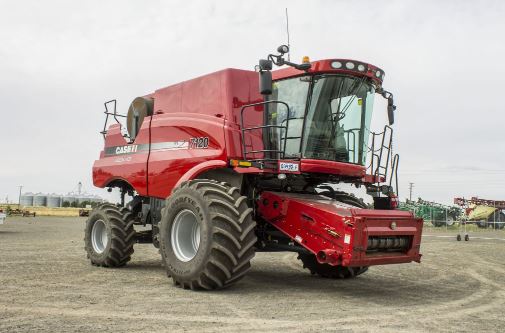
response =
{"points": [[19, 202], [411, 185]]}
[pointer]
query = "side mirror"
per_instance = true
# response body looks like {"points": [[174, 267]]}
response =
{"points": [[265, 82], [265, 66], [391, 110]]}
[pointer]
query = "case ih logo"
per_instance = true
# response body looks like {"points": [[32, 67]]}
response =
{"points": [[156, 146], [126, 149]]}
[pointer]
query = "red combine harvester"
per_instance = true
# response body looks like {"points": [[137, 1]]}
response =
{"points": [[220, 170]]}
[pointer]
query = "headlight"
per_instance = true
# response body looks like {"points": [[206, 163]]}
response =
{"points": [[336, 64]]}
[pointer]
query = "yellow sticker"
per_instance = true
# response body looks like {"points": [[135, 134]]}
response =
{"points": [[360, 101]]}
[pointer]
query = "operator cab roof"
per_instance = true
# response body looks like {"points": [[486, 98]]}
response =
{"points": [[340, 66]]}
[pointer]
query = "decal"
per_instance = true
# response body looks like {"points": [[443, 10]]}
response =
{"points": [[133, 149], [123, 159], [174, 145], [199, 143], [126, 149], [347, 239], [289, 167]]}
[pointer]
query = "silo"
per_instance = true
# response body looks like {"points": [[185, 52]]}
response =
{"points": [[26, 199], [53, 200], [39, 199]]}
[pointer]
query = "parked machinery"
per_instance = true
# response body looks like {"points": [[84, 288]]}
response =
{"points": [[485, 213], [438, 214], [220, 171]]}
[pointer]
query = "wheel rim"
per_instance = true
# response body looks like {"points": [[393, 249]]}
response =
{"points": [[185, 235], [450, 221], [99, 237]]}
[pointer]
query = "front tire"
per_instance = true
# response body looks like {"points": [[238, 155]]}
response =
{"points": [[328, 271], [206, 235], [109, 236]]}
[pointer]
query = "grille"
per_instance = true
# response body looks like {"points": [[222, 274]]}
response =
{"points": [[384, 243]]}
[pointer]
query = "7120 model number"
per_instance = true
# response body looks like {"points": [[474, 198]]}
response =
{"points": [[201, 142]]}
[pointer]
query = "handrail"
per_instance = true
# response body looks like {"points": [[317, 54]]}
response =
{"points": [[244, 129], [114, 114]]}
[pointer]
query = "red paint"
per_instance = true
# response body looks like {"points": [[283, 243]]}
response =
{"points": [[321, 224], [324, 66], [332, 167]]}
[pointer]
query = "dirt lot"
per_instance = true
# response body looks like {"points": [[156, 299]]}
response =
{"points": [[47, 285]]}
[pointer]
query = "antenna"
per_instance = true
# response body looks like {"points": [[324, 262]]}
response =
{"points": [[287, 30]]}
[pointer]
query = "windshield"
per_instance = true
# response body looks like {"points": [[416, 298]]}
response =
{"points": [[333, 124], [338, 119]]}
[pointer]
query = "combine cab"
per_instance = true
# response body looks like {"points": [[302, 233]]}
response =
{"points": [[220, 170]]}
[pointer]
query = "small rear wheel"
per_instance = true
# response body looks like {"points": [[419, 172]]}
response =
{"points": [[207, 235], [328, 271], [109, 236], [450, 221]]}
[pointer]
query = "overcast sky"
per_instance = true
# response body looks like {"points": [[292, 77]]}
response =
{"points": [[60, 60]]}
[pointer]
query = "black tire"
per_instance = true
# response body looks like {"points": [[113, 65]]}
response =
{"points": [[120, 236], [458, 238], [226, 239], [328, 271]]}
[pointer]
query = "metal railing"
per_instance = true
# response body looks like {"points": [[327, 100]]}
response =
{"points": [[383, 164], [113, 114], [267, 151]]}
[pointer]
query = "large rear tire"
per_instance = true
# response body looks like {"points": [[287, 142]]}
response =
{"points": [[328, 271], [109, 236], [207, 235]]}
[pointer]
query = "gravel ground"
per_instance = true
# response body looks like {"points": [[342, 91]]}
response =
{"points": [[47, 285]]}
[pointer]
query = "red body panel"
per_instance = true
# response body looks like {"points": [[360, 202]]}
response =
{"points": [[341, 231], [205, 107], [131, 168]]}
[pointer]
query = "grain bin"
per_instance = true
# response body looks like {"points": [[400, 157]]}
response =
{"points": [[39, 199], [26, 199], [53, 200]]}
